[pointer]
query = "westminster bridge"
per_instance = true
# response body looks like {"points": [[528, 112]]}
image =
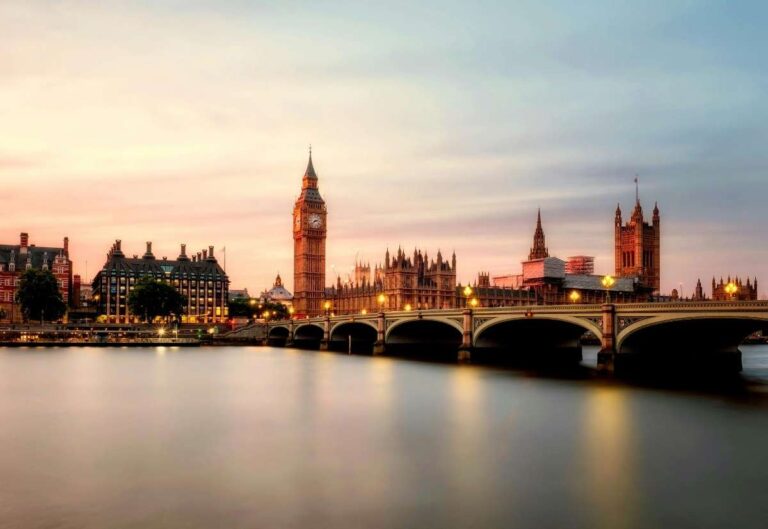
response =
{"points": [[666, 334]]}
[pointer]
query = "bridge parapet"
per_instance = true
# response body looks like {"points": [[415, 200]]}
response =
{"points": [[612, 324]]}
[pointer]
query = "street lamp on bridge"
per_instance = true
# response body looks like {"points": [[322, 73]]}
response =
{"points": [[574, 296], [381, 298], [731, 289], [608, 281], [327, 307], [467, 292]]}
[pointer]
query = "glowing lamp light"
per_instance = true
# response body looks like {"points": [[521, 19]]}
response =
{"points": [[731, 288], [408, 307], [474, 302], [574, 296], [327, 305], [467, 291], [608, 282], [381, 299], [161, 332], [364, 311]]}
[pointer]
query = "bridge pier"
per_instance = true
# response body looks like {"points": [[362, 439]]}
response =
{"points": [[465, 349], [289, 340], [606, 358], [379, 347], [265, 335], [325, 342]]}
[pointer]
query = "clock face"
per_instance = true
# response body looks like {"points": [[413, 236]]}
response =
{"points": [[315, 221]]}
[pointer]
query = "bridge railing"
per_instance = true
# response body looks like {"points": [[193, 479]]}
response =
{"points": [[540, 309]]}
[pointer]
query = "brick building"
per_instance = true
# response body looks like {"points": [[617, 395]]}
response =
{"points": [[406, 281], [550, 280], [637, 247], [15, 259], [745, 291], [199, 278]]}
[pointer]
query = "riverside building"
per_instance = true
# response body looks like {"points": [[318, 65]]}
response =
{"points": [[199, 278], [406, 283], [15, 259]]}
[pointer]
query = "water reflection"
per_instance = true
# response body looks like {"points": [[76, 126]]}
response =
{"points": [[608, 458], [262, 437]]}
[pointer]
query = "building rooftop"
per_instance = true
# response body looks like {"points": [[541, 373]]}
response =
{"points": [[594, 282]]}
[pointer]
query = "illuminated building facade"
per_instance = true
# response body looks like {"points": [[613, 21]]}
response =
{"points": [[309, 233], [549, 280], [199, 278], [15, 259], [407, 282], [743, 291], [637, 247]]}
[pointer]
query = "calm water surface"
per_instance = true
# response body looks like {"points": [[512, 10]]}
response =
{"points": [[275, 438]]}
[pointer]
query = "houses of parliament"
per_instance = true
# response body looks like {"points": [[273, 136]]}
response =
{"points": [[415, 281], [405, 280]]}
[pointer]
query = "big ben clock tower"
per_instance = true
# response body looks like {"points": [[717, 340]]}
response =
{"points": [[309, 231]]}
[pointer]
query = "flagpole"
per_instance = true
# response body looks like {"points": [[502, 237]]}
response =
{"points": [[637, 190]]}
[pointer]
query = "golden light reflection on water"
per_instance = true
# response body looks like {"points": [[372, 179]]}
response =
{"points": [[608, 446], [468, 421], [381, 378]]}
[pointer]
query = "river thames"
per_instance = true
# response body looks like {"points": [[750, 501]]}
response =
{"points": [[246, 437]]}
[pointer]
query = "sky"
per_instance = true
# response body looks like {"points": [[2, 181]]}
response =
{"points": [[438, 125]]}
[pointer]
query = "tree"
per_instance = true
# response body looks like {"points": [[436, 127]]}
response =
{"points": [[151, 299], [39, 296], [252, 308]]}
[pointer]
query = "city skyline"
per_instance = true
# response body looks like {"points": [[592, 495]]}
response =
{"points": [[439, 129]]}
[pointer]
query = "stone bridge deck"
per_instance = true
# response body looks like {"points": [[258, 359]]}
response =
{"points": [[706, 329]]}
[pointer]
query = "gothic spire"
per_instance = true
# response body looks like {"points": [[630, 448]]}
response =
{"points": [[539, 249], [310, 172]]}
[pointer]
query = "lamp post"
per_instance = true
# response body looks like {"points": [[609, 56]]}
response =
{"points": [[381, 298], [327, 307], [467, 292], [608, 281], [291, 310], [474, 302], [731, 289], [408, 307], [574, 296]]}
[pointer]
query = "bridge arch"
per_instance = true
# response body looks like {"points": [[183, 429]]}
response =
{"points": [[432, 337], [278, 335], [342, 326], [693, 342], [308, 332], [363, 335], [541, 340], [279, 331]]}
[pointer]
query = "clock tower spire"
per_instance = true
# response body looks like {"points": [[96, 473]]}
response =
{"points": [[309, 232]]}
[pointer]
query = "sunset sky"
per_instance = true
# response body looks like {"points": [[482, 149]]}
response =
{"points": [[441, 125]]}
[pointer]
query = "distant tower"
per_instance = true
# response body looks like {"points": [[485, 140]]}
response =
{"points": [[698, 293], [309, 232], [638, 247], [539, 250]]}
